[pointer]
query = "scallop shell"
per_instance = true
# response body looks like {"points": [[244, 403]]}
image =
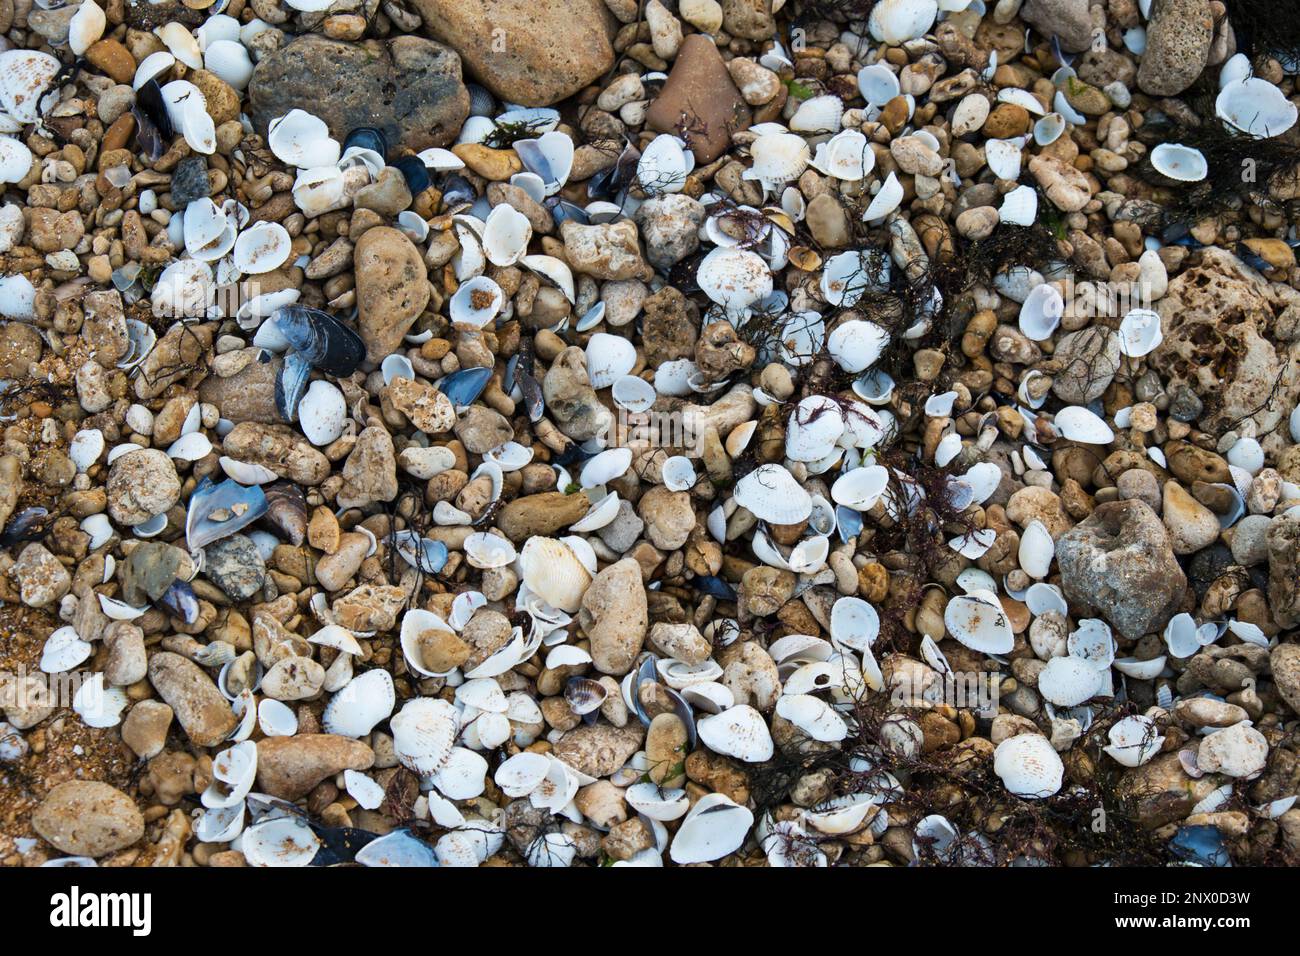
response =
{"points": [[1183, 163], [818, 114], [1255, 106], [229, 60], [771, 494], [424, 732], [777, 158], [1028, 766], [977, 621], [552, 571], [366, 700], [301, 139]]}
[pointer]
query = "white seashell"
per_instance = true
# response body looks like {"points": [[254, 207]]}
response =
{"points": [[1019, 97], [1028, 766], [848, 276], [261, 248], [209, 232], [857, 344], [1247, 454], [846, 155], [396, 366], [1134, 740], [897, 21], [1049, 129], [220, 826], [511, 456], [609, 358], [366, 700], [486, 550], [1255, 106], [814, 427], [975, 544], [1140, 333], [739, 732], [1076, 423], [151, 67], [552, 571], [664, 165], [280, 842], [25, 79], [1036, 550], [656, 802], [424, 731], [246, 473], [1003, 157], [1141, 670], [319, 190], [86, 447], [679, 675], [860, 488], [818, 114], [183, 45], [276, 719], [977, 621], [1041, 311], [151, 528], [678, 473], [233, 772], [414, 623], [301, 139], [506, 235], [878, 84], [477, 302], [1181, 636], [462, 775], [633, 394], [1234, 69], [520, 775], [1068, 681], [100, 530], [188, 112], [778, 158], [553, 270], [119, 610], [229, 60], [969, 114], [712, 698], [715, 827], [322, 412], [734, 278], [190, 447], [813, 716], [1019, 207], [17, 294], [555, 150], [886, 200], [1180, 162], [86, 26], [771, 494], [64, 650], [605, 467]]}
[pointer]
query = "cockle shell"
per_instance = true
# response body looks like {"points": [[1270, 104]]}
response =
{"points": [[1068, 681], [818, 114], [778, 158], [1028, 766], [366, 700], [609, 358], [424, 731], [25, 79], [734, 278], [771, 494], [552, 571]]}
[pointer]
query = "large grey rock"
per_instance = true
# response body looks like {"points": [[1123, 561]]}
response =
{"points": [[409, 87], [1119, 562]]}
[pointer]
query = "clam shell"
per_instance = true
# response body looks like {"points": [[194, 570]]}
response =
{"points": [[633, 394], [886, 200], [182, 44], [1048, 129], [477, 302], [1255, 106], [366, 700], [778, 158], [739, 732], [850, 275], [1183, 163], [656, 802], [857, 344], [978, 621], [151, 67], [664, 165], [229, 60], [263, 247], [280, 842], [300, 139], [1133, 740], [605, 467], [715, 827], [818, 114], [552, 270], [1003, 158], [609, 358], [678, 473], [486, 550], [734, 278], [1019, 207], [86, 26], [1077, 423], [520, 775], [424, 731], [506, 235], [550, 157], [860, 488], [1028, 766], [64, 650], [1036, 550], [878, 84], [1068, 681], [854, 623], [813, 717], [896, 21], [1140, 332]]}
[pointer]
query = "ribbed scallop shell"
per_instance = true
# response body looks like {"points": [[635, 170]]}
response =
{"points": [[553, 572]]}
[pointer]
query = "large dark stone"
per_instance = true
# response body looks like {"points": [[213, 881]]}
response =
{"points": [[408, 87]]}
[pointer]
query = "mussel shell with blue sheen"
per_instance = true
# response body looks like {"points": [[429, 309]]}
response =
{"points": [[466, 385], [415, 172], [324, 341], [367, 137], [180, 600], [456, 191], [290, 384], [245, 504]]}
